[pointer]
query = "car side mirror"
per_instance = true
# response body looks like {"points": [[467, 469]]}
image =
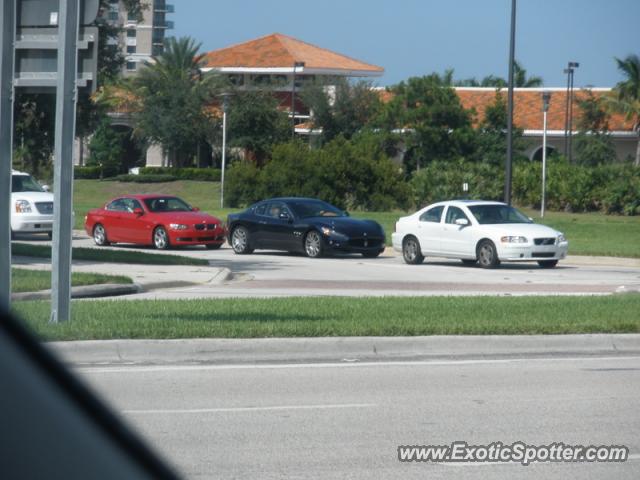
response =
{"points": [[463, 222], [138, 211], [195, 209], [284, 216], [346, 214], [45, 188]]}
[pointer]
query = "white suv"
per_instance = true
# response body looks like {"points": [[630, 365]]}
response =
{"points": [[31, 205]]}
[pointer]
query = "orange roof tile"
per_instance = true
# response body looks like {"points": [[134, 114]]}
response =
{"points": [[281, 51]]}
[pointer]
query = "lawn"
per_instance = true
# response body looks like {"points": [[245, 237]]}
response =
{"points": [[338, 316], [107, 255], [588, 233], [24, 280]]}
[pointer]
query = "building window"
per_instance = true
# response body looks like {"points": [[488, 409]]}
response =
{"points": [[131, 33], [131, 49], [157, 50], [131, 66], [132, 17], [113, 16]]}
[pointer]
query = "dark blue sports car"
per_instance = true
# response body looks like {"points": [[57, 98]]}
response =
{"points": [[303, 225]]}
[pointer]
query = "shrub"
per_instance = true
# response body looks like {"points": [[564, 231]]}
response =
{"points": [[86, 172], [201, 174]]}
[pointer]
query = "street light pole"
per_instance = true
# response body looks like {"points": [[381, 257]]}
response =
{"points": [[293, 99], [509, 159], [569, 109], [546, 97], [225, 107]]}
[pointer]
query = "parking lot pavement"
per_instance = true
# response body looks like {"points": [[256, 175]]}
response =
{"points": [[270, 274]]}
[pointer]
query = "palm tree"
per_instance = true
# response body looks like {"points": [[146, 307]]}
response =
{"points": [[626, 97], [520, 78]]}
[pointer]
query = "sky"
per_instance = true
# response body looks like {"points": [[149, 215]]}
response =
{"points": [[417, 37]]}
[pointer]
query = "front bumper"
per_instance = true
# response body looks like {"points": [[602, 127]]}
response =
{"points": [[532, 253], [197, 237], [31, 223], [354, 245]]}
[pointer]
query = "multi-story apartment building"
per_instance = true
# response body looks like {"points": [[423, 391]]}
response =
{"points": [[143, 36]]}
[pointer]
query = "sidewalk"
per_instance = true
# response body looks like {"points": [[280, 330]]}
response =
{"points": [[340, 349]]}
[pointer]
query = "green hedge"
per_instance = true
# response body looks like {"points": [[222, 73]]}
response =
{"points": [[144, 178], [613, 188], [86, 172], [202, 174]]}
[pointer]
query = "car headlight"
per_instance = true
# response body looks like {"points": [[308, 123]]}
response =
{"points": [[511, 239], [561, 238], [23, 206], [178, 226]]}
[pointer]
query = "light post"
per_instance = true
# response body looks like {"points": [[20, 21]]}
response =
{"points": [[571, 66], [509, 159], [546, 97], [225, 107], [293, 99]]}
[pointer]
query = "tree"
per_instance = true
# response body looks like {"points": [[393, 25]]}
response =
{"points": [[626, 98], [435, 125], [593, 142], [256, 124], [107, 150], [174, 99], [521, 80], [345, 109]]}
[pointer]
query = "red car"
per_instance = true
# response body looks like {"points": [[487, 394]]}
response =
{"points": [[159, 220]]}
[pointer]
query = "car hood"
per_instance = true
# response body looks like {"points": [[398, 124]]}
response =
{"points": [[529, 230], [187, 217], [33, 196], [349, 225]]}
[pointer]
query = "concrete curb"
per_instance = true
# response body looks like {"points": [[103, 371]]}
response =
{"points": [[340, 349], [85, 291]]}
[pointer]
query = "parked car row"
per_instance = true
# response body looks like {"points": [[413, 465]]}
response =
{"points": [[481, 232]]}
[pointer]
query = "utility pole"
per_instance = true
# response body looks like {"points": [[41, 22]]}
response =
{"points": [[546, 98], [66, 94], [571, 66], [509, 159], [293, 99]]}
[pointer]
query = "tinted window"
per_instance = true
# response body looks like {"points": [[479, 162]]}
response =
{"points": [[260, 209], [24, 183], [276, 208], [453, 214], [493, 214], [167, 204], [315, 208], [432, 215]]}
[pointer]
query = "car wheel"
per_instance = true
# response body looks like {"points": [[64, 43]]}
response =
{"points": [[469, 263], [213, 246], [160, 238], [411, 251], [240, 241], [548, 263], [487, 254], [100, 235], [313, 244]]}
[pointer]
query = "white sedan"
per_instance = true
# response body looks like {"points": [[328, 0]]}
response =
{"points": [[477, 231]]}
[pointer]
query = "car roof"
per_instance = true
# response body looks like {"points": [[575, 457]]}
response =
{"points": [[468, 202], [144, 196], [290, 199], [16, 172]]}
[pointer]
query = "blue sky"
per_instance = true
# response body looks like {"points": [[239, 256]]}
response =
{"points": [[417, 37]]}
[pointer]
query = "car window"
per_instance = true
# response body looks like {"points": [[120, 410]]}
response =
{"points": [[261, 209], [131, 204], [315, 208], [453, 214], [117, 206], [432, 215], [495, 214], [167, 204], [24, 183], [274, 209]]}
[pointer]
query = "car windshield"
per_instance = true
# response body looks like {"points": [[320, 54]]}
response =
{"points": [[495, 214], [315, 208], [24, 183], [167, 204]]}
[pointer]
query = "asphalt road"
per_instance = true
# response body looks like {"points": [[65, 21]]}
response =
{"points": [[267, 274], [346, 420]]}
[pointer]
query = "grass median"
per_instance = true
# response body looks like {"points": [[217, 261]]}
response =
{"points": [[337, 316], [105, 255], [23, 280]]}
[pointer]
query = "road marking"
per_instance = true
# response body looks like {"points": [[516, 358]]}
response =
{"points": [[350, 364], [250, 409]]}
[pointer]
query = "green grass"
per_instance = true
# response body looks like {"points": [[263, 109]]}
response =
{"points": [[588, 233], [312, 317], [107, 255], [23, 280]]}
